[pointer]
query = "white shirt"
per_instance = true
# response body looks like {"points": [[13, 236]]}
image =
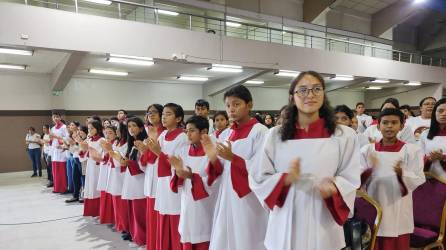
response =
{"points": [[418, 125], [46, 145], [33, 140], [364, 121]]}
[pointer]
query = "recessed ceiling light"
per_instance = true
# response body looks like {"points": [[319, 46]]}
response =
{"points": [[255, 82], [103, 2], [287, 73], [343, 78], [374, 88], [413, 83], [108, 72], [16, 51], [226, 68], [193, 78], [12, 66], [380, 81], [168, 12]]}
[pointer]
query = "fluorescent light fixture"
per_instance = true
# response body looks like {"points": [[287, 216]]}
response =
{"points": [[255, 82], [12, 66], [374, 88], [108, 72], [343, 78], [16, 51], [193, 78], [232, 24], [168, 12], [380, 81], [226, 68], [413, 83], [287, 73], [103, 2], [130, 61], [132, 57], [419, 1]]}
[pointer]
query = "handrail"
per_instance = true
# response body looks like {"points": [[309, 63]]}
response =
{"points": [[224, 29]]}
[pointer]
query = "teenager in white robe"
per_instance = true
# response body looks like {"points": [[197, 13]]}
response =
{"points": [[92, 153], [392, 170], [202, 109], [344, 116], [433, 141], [374, 134], [198, 194], [364, 120], [221, 122], [420, 123], [239, 219], [58, 134], [308, 172], [167, 202]]}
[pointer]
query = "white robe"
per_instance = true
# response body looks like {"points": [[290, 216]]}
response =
{"points": [[404, 135], [418, 125], [116, 177], [167, 202], [92, 174], [364, 121], [196, 214], [304, 221], [58, 154], [150, 178], [240, 223], [133, 185], [384, 187], [437, 143], [104, 169]]}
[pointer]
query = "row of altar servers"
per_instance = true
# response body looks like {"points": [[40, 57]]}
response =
{"points": [[241, 202]]}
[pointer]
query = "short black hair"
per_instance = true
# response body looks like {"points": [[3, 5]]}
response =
{"points": [[114, 118], [56, 113], [344, 109], [405, 106], [96, 118], [202, 103], [392, 101], [425, 98], [223, 113], [178, 111], [200, 122], [84, 129], [125, 112], [239, 91], [359, 103], [387, 112]]}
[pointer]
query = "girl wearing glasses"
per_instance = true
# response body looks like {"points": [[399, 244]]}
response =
{"points": [[308, 172]]}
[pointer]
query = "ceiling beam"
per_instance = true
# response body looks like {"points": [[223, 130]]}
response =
{"points": [[65, 70], [313, 8], [392, 15], [342, 84]]}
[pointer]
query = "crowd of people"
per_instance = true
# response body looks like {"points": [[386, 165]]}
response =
{"points": [[240, 182]]}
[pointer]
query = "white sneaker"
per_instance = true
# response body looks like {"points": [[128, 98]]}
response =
{"points": [[142, 247], [133, 245]]}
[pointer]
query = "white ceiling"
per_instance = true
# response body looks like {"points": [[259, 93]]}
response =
{"points": [[365, 6], [45, 61], [42, 61]]}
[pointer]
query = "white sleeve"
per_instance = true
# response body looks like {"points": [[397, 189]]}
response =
{"points": [[406, 135], [413, 174]]}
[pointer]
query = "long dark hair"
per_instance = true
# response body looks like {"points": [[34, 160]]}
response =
{"points": [[158, 108], [123, 132], [132, 154], [288, 127], [98, 126], [435, 126]]}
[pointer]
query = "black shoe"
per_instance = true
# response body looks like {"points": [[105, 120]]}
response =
{"points": [[126, 236], [50, 184], [34, 175], [81, 201], [40, 173], [72, 200], [66, 192], [54, 192]]}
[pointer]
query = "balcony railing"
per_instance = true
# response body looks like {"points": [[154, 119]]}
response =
{"points": [[301, 37]]}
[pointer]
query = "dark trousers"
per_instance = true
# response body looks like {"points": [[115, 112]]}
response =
{"points": [[49, 170], [77, 177], [34, 154]]}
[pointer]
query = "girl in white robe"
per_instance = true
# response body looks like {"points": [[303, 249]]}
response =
{"points": [[433, 141], [58, 134], [221, 121], [308, 172]]}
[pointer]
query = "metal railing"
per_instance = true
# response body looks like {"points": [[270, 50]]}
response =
{"points": [[301, 37]]}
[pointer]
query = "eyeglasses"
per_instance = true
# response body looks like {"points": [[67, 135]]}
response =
{"points": [[304, 91]]}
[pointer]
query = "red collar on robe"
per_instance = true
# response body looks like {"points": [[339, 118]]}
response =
{"points": [[59, 125], [315, 130], [391, 148], [374, 122], [171, 135], [95, 138], [196, 150], [218, 132], [442, 132], [242, 131]]}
